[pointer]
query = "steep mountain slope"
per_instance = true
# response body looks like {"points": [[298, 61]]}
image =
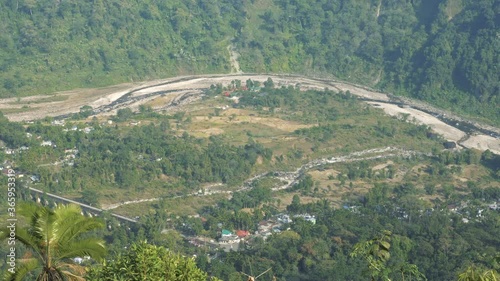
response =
{"points": [[445, 52]]}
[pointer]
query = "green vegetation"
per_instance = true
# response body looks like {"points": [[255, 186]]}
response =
{"points": [[53, 237], [414, 48], [144, 262], [418, 211], [429, 242], [160, 158], [377, 253], [445, 52]]}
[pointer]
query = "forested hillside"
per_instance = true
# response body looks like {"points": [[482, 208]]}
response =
{"points": [[445, 52]]}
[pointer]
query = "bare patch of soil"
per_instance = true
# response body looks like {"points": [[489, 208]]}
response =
{"points": [[483, 142], [382, 166], [448, 132]]}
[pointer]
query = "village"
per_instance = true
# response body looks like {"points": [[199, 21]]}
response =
{"points": [[233, 240]]}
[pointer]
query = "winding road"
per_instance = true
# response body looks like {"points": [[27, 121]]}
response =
{"points": [[288, 179]]}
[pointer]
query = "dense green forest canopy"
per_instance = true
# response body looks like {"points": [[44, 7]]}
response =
{"points": [[445, 52]]}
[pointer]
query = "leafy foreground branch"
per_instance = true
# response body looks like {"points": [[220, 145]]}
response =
{"points": [[148, 262], [478, 274], [376, 253]]}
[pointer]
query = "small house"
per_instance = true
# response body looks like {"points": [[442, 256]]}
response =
{"points": [[46, 143], [242, 233], [229, 239], [35, 178]]}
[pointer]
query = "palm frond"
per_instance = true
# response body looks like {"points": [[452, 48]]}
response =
{"points": [[70, 229], [28, 209], [74, 268], [72, 277], [23, 236], [44, 225], [24, 268], [55, 237], [85, 247]]}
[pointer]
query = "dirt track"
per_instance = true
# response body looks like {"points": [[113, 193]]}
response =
{"points": [[289, 178], [185, 89]]}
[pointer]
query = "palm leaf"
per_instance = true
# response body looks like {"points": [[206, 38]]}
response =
{"points": [[23, 236], [69, 230], [55, 237], [85, 247], [26, 266]]}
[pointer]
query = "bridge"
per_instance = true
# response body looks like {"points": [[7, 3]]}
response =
{"points": [[85, 207]]}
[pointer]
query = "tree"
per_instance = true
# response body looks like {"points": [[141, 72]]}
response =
{"points": [[90, 197], [148, 262], [249, 84], [269, 84], [123, 114], [54, 236], [86, 111], [473, 273], [145, 108], [376, 253], [295, 205]]}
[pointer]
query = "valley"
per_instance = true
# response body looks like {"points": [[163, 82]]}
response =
{"points": [[284, 140], [169, 95]]}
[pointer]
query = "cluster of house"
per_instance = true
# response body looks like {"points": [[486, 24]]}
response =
{"points": [[475, 214], [7, 165], [230, 241], [467, 212], [230, 237], [45, 143], [276, 225], [86, 130], [58, 123], [69, 156], [10, 151], [73, 128]]}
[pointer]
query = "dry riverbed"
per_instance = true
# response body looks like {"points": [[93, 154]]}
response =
{"points": [[176, 88]]}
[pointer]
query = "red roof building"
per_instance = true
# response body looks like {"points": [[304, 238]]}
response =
{"points": [[242, 233]]}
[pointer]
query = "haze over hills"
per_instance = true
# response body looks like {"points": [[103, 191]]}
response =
{"points": [[445, 52]]}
